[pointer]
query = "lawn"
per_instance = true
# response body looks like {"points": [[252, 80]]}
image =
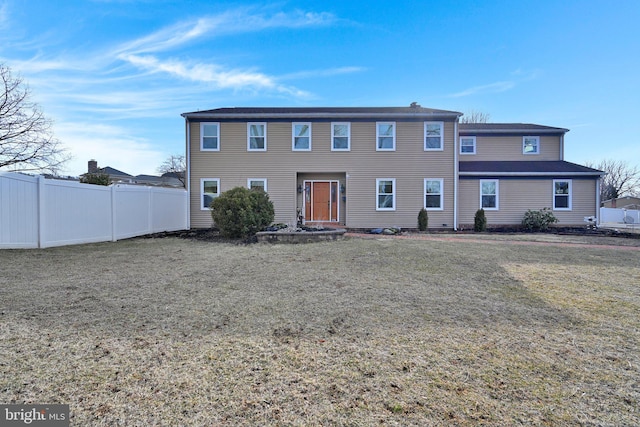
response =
{"points": [[360, 332]]}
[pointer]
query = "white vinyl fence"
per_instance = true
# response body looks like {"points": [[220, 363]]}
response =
{"points": [[622, 216], [37, 213]]}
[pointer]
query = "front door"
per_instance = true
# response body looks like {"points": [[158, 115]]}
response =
{"points": [[321, 201]]}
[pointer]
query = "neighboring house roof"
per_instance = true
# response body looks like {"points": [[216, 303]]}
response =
{"points": [[526, 168], [321, 112], [111, 171], [507, 129]]}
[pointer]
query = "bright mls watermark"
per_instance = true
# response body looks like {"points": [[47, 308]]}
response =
{"points": [[34, 415]]}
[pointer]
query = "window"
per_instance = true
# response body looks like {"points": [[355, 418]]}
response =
{"points": [[210, 136], [433, 135], [301, 136], [257, 183], [340, 136], [489, 194], [386, 136], [530, 145], [386, 194], [433, 196], [562, 194], [256, 136], [467, 145], [209, 190]]}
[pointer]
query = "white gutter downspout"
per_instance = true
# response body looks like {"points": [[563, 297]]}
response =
{"points": [[188, 172], [455, 174], [598, 183]]}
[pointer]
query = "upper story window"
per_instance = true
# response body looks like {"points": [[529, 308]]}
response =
{"points": [[341, 136], [562, 194], [489, 190], [256, 137], [209, 190], [301, 136], [433, 194], [433, 136], [385, 136], [467, 145], [530, 145], [386, 194], [210, 136]]}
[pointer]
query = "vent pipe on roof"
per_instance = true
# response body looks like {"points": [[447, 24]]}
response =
{"points": [[415, 105]]}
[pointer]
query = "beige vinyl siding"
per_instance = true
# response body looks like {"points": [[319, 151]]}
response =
{"points": [[491, 148], [516, 196], [358, 168]]}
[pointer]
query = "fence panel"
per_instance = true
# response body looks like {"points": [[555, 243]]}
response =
{"points": [[618, 215], [18, 211], [37, 212]]}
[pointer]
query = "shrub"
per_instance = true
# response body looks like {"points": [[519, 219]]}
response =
{"points": [[241, 212], [95, 178], [423, 220], [538, 220], [480, 221]]}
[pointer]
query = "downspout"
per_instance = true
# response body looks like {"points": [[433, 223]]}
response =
{"points": [[187, 177], [598, 183], [456, 170]]}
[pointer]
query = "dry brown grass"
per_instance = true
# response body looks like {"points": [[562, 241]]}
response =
{"points": [[359, 332]]}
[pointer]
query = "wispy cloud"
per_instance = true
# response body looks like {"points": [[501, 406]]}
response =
{"points": [[322, 73], [496, 87]]}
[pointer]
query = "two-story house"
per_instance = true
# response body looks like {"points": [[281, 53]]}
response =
{"points": [[378, 166]]}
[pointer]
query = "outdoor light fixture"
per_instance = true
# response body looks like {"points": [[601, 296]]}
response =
{"points": [[300, 189], [342, 189]]}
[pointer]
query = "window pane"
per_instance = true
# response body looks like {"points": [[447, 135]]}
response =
{"points": [[385, 201], [210, 142], [340, 130], [256, 130], [256, 143], [211, 187], [301, 143], [432, 142], [488, 201], [562, 187], [561, 202], [385, 187], [301, 130], [432, 201], [210, 130], [489, 187], [341, 142], [433, 130], [385, 142], [385, 130], [433, 187]]}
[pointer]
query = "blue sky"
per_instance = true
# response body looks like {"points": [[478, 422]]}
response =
{"points": [[116, 75]]}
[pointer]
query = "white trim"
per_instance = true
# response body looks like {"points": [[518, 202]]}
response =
{"points": [[393, 194], [524, 145], [202, 193], [348, 124], [497, 182], [424, 139], [473, 138], [217, 136], [456, 175], [249, 124], [569, 195], [424, 196], [188, 172], [393, 136], [264, 181], [294, 136]]}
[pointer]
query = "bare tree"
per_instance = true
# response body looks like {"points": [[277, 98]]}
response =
{"points": [[175, 166], [27, 142], [474, 116], [621, 179]]}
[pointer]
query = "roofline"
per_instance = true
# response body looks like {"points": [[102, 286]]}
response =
{"points": [[530, 131], [312, 115], [496, 173]]}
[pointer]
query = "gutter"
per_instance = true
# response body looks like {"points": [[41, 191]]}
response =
{"points": [[246, 116], [586, 174]]}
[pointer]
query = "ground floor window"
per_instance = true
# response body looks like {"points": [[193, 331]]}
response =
{"points": [[386, 194], [209, 190], [433, 195], [257, 183], [562, 194], [489, 189]]}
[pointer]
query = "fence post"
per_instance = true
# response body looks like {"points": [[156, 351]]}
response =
{"points": [[114, 236], [41, 222]]}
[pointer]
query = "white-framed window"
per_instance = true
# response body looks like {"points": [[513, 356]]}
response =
{"points": [[209, 136], [340, 136], [301, 136], [434, 194], [433, 136], [489, 194], [530, 145], [385, 194], [257, 183], [385, 136], [562, 194], [256, 136], [467, 145], [209, 190]]}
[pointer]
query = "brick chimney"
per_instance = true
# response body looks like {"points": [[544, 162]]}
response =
{"points": [[93, 166]]}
